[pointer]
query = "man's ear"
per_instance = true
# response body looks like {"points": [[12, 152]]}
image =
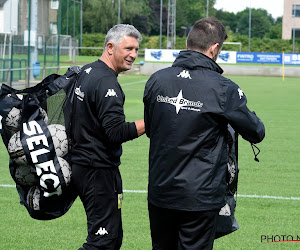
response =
{"points": [[214, 49], [110, 48]]}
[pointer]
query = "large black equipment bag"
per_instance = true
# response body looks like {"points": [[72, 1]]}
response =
{"points": [[35, 128], [226, 222]]}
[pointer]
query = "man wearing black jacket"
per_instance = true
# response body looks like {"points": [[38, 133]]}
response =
{"points": [[187, 109], [98, 130]]}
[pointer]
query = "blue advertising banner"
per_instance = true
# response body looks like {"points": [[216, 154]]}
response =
{"points": [[292, 59], [255, 57], [162, 55], [227, 57]]}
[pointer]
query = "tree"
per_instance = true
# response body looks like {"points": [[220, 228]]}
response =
{"points": [[101, 15], [189, 11], [70, 24], [228, 19], [136, 13], [154, 17], [261, 22], [276, 30]]}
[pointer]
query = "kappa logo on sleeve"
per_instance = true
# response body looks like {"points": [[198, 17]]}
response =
{"points": [[79, 93], [88, 70], [111, 92], [241, 93]]}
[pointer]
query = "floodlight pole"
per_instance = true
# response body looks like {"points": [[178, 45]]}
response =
{"points": [[160, 23], [171, 26], [119, 12], [28, 47], [207, 4], [74, 18], [81, 12], [34, 27], [249, 42], [294, 12], [58, 38], [67, 29]]}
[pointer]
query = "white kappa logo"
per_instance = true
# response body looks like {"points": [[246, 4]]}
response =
{"points": [[225, 211], [180, 103], [79, 93], [111, 92], [88, 70], [184, 74], [102, 231], [241, 93]]}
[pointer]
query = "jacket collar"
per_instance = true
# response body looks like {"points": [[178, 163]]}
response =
{"points": [[191, 59]]}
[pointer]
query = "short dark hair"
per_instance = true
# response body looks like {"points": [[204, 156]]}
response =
{"points": [[206, 32]]}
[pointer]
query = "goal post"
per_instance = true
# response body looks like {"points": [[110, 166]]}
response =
{"points": [[235, 43]]}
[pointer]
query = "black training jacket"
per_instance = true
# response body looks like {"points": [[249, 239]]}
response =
{"points": [[98, 126], [187, 109]]}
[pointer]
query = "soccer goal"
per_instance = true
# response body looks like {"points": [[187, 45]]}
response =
{"points": [[235, 43]]}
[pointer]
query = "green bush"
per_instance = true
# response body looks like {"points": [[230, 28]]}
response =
{"points": [[262, 45], [92, 40]]}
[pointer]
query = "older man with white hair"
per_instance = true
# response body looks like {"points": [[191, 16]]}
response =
{"points": [[98, 130]]}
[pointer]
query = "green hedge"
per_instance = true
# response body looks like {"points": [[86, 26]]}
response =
{"points": [[262, 45], [92, 40]]}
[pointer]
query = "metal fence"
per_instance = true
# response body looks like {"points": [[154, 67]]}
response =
{"points": [[20, 77], [15, 71]]}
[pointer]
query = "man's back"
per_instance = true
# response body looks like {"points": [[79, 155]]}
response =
{"points": [[186, 120]]}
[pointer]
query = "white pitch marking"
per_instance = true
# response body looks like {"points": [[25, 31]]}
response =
{"points": [[131, 83], [239, 195], [7, 186]]}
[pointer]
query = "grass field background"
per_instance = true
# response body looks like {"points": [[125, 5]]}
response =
{"points": [[274, 180]]}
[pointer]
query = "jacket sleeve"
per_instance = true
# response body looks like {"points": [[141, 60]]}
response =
{"points": [[109, 99], [245, 122], [147, 100]]}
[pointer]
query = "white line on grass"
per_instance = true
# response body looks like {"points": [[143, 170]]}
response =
{"points": [[135, 191], [7, 186], [131, 83], [269, 197], [239, 195]]}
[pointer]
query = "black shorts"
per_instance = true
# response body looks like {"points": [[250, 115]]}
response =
{"points": [[100, 190], [177, 229]]}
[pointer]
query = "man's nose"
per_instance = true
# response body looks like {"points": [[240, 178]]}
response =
{"points": [[134, 53]]}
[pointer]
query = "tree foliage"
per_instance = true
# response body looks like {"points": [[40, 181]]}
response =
{"points": [[189, 11], [100, 15], [261, 22]]}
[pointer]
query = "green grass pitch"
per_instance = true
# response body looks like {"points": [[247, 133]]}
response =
{"points": [[276, 176]]}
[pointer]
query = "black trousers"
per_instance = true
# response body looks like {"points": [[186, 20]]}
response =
{"points": [[100, 190], [177, 229]]}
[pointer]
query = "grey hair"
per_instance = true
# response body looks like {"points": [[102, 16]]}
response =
{"points": [[116, 34]]}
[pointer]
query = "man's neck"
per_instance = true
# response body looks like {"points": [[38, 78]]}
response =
{"points": [[105, 58]]}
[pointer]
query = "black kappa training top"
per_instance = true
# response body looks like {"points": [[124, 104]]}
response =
{"points": [[187, 109], [99, 127]]}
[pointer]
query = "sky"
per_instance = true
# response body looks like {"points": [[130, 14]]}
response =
{"points": [[274, 7]]}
